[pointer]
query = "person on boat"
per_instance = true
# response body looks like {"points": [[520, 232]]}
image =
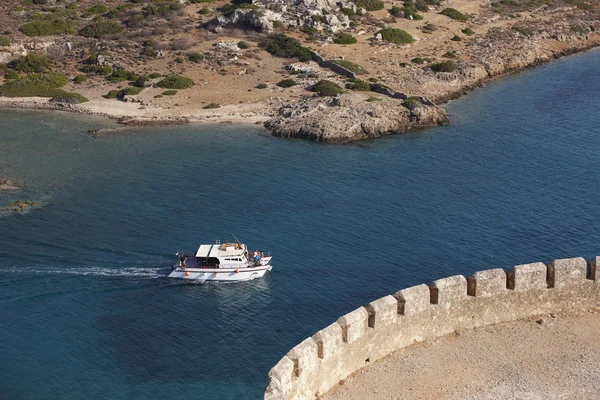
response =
{"points": [[182, 260]]}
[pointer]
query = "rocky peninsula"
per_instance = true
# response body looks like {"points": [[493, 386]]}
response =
{"points": [[318, 70]]}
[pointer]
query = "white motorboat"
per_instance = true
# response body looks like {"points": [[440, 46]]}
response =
{"points": [[222, 262]]}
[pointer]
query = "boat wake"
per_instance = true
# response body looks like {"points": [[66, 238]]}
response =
{"points": [[137, 272]]}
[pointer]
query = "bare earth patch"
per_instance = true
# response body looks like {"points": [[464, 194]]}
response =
{"points": [[548, 357]]}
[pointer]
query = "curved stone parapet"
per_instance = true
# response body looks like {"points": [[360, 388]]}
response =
{"points": [[423, 312]]}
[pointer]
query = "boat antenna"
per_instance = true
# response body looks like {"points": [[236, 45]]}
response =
{"points": [[236, 239]]}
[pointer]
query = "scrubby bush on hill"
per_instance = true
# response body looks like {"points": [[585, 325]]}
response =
{"points": [[468, 31], [326, 88], [370, 5], [121, 75], [454, 14], [120, 94], [344, 38], [30, 63], [211, 105], [141, 81], [80, 79], [4, 41], [60, 96], [169, 92], [284, 46], [350, 66], [41, 85], [95, 10], [358, 85], [396, 36], [444, 66], [47, 28], [286, 83], [101, 27], [195, 57], [175, 82]]}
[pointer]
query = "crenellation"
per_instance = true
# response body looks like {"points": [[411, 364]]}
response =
{"points": [[593, 273], [526, 277], [449, 290], [488, 283], [567, 272], [329, 340], [383, 311], [413, 300], [354, 324], [393, 322], [304, 356]]}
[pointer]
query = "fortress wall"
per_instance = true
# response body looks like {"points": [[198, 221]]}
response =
{"points": [[423, 312]]}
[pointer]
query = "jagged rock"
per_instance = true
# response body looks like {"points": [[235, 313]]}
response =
{"points": [[349, 117], [7, 184], [299, 13]]}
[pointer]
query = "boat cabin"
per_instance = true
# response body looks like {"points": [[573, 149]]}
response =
{"points": [[222, 255]]}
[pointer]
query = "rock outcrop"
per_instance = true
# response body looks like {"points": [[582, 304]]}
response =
{"points": [[349, 117], [263, 14]]}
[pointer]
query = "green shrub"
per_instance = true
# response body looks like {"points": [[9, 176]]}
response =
{"points": [[201, 1], [30, 63], [326, 88], [348, 12], [46, 28], [211, 105], [456, 38], [94, 10], [344, 38], [284, 46], [578, 29], [121, 75], [449, 54], [178, 60], [101, 27], [34, 85], [175, 82], [135, 21], [80, 79], [162, 9], [111, 94], [261, 86], [468, 31], [141, 81], [242, 45], [580, 4], [396, 35], [155, 75], [4, 41], [350, 66], [286, 83], [370, 5], [60, 96], [523, 30], [195, 57], [358, 85], [97, 69], [454, 14], [11, 75], [203, 11], [408, 12], [120, 94], [169, 92], [444, 66], [372, 99]]}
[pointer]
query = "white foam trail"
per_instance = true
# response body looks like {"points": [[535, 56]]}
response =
{"points": [[139, 272]]}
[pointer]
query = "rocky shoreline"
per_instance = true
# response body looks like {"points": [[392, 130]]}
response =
{"points": [[350, 116]]}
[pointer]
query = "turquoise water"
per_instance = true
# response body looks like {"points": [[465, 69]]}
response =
{"points": [[86, 309]]}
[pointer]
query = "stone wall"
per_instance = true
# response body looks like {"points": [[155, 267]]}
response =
{"points": [[423, 312]]}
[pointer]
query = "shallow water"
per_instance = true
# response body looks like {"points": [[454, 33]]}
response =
{"points": [[86, 309]]}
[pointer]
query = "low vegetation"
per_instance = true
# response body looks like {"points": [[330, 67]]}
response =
{"points": [[326, 88], [344, 38], [350, 66], [280, 45], [120, 94], [444, 66], [286, 83], [47, 28], [468, 31], [169, 92], [370, 5], [211, 105], [358, 85], [101, 27], [454, 14], [30, 63], [395, 35], [175, 82], [34, 85]]}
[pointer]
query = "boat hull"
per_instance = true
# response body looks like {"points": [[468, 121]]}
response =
{"points": [[220, 274]]}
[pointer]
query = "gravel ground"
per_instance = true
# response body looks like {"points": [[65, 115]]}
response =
{"points": [[547, 357]]}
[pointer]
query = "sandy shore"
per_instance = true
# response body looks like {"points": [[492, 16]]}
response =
{"points": [[546, 357]]}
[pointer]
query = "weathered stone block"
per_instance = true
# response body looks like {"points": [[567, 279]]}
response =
{"points": [[487, 283], [383, 311], [522, 278], [274, 390], [305, 356], [283, 372], [329, 340], [566, 272], [594, 264], [354, 324], [448, 291], [413, 300]]}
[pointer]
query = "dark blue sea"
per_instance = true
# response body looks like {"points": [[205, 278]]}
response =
{"points": [[86, 310]]}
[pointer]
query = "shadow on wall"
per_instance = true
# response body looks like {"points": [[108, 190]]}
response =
{"points": [[423, 312]]}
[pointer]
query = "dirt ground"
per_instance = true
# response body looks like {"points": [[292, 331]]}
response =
{"points": [[546, 357]]}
